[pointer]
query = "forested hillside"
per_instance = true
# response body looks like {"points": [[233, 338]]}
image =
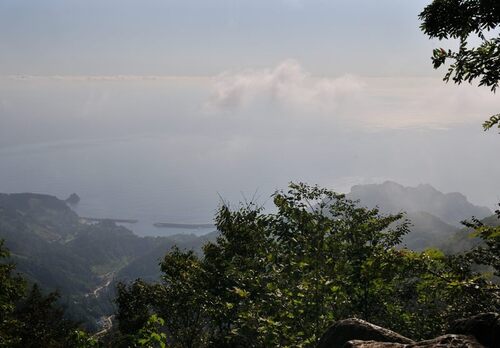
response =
{"points": [[281, 279], [333, 252], [52, 247]]}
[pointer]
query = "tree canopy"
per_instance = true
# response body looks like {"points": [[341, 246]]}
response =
{"points": [[279, 280], [469, 22], [33, 319], [11, 290]]}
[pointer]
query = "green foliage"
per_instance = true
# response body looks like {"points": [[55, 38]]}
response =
{"points": [[42, 321], [150, 336], [11, 290], [488, 253], [81, 339], [461, 19], [133, 306], [34, 319], [494, 120], [281, 279], [52, 247], [181, 300]]}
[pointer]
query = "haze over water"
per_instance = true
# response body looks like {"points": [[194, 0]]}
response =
{"points": [[162, 109], [150, 150]]}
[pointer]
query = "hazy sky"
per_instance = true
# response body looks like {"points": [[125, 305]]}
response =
{"points": [[230, 96], [165, 37]]}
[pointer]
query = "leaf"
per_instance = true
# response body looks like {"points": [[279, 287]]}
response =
{"points": [[241, 292]]}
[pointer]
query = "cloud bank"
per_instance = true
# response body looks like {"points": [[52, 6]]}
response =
{"points": [[285, 90], [373, 103], [85, 78], [287, 85]]}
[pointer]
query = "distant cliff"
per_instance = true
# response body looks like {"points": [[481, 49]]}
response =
{"points": [[435, 216], [392, 197]]}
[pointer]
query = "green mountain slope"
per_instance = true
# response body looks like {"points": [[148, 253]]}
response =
{"points": [[53, 247], [426, 231]]}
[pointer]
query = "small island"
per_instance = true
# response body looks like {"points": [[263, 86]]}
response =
{"points": [[73, 199]]}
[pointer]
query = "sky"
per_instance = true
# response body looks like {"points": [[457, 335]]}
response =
{"points": [[232, 97], [205, 38]]}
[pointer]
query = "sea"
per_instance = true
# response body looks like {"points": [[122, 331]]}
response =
{"points": [[114, 180], [130, 149], [154, 150]]}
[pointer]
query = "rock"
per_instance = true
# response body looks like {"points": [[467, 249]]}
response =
{"points": [[449, 341], [73, 199], [485, 327], [373, 344], [446, 341], [356, 329]]}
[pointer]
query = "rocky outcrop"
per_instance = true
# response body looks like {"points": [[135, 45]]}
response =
{"points": [[485, 327], [372, 344], [356, 329], [73, 199], [446, 341], [480, 331]]}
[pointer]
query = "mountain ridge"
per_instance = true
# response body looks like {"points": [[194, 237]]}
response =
{"points": [[57, 249], [53, 247], [391, 197]]}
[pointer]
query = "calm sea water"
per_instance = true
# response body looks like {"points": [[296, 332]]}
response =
{"points": [[151, 151], [121, 178]]}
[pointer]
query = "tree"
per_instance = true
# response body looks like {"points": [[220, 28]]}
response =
{"points": [[42, 321], [11, 290], [133, 312], [181, 300], [33, 319], [487, 253], [133, 306], [463, 20], [149, 336], [281, 279]]}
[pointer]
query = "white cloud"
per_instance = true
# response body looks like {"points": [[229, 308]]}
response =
{"points": [[372, 103], [407, 102], [287, 85], [362, 102]]}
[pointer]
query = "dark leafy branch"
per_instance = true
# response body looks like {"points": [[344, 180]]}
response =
{"points": [[461, 20]]}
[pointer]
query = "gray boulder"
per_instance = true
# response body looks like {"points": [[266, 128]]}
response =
{"points": [[485, 327], [373, 344], [337, 335], [446, 341]]}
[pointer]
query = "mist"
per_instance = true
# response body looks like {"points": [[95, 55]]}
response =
{"points": [[170, 148]]}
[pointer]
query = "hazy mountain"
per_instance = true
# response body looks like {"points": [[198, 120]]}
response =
{"points": [[427, 230], [464, 239], [435, 216], [392, 197]]}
